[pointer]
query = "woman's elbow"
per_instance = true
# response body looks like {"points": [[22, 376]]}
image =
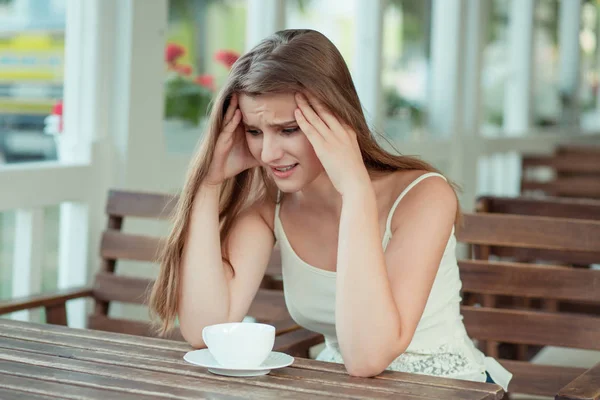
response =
{"points": [[194, 340], [192, 335], [372, 363], [365, 368]]}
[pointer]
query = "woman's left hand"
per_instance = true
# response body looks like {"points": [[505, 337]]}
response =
{"points": [[334, 143]]}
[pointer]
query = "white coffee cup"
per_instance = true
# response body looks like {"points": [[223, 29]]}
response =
{"points": [[239, 344]]}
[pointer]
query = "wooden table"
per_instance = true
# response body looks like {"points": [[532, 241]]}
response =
{"points": [[50, 361]]}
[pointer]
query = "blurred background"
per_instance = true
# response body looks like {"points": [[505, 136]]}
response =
{"points": [[100, 94]]}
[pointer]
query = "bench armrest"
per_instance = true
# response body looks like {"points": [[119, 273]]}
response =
{"points": [[54, 303], [585, 387]]}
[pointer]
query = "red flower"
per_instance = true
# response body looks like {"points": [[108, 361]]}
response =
{"points": [[173, 52], [183, 69], [58, 108], [207, 81], [227, 57]]}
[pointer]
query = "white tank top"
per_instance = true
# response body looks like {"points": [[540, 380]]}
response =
{"points": [[440, 345]]}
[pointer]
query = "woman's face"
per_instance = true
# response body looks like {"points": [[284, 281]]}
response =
{"points": [[277, 142]]}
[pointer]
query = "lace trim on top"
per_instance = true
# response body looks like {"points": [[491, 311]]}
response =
{"points": [[447, 360]]}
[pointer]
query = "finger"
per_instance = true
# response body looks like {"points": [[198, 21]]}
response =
{"points": [[327, 116], [233, 123], [314, 137], [348, 128], [231, 108], [311, 116]]}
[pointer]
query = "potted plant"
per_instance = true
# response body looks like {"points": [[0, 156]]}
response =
{"points": [[188, 97]]}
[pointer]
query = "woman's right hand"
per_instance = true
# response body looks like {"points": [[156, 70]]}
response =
{"points": [[231, 155]]}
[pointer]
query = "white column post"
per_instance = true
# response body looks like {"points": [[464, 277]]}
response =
{"points": [[467, 138], [598, 60], [445, 81], [265, 17], [519, 84], [366, 66], [476, 29], [82, 86], [569, 59], [28, 258], [518, 97], [139, 91]]}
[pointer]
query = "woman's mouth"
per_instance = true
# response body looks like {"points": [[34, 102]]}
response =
{"points": [[284, 171]]}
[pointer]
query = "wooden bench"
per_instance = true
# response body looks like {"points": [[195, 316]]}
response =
{"points": [[109, 287], [575, 172], [586, 209], [491, 325]]}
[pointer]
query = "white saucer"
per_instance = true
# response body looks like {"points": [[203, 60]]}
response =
{"points": [[203, 358]]}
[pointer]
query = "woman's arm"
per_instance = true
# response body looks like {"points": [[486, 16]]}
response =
{"points": [[210, 294], [381, 297]]}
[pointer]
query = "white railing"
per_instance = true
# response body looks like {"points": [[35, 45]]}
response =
{"points": [[76, 189]]}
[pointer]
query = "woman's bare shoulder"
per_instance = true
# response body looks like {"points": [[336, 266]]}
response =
{"points": [[433, 195], [392, 184]]}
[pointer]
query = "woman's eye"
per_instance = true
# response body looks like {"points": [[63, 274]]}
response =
{"points": [[290, 130], [253, 132]]}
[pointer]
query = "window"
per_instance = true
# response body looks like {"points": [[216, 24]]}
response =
{"points": [[494, 69], [333, 18], [204, 38], [32, 37], [405, 60], [547, 103], [590, 65]]}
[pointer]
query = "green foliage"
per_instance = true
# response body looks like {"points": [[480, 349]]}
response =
{"points": [[394, 104], [186, 100]]}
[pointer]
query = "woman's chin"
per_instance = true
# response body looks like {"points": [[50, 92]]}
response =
{"points": [[288, 185]]}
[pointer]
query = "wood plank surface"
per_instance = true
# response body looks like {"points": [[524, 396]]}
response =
{"points": [[116, 245], [120, 360], [585, 387], [56, 298], [542, 380], [527, 280], [494, 391], [57, 389], [532, 327], [530, 232], [183, 376], [122, 203], [542, 207], [16, 394]]}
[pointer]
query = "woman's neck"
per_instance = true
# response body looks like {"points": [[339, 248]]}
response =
{"points": [[321, 195]]}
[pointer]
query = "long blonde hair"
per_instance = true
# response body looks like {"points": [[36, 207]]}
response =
{"points": [[287, 61]]}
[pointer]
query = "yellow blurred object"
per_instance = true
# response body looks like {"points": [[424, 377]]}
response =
{"points": [[32, 57]]}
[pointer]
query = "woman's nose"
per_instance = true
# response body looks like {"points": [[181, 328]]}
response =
{"points": [[271, 149]]}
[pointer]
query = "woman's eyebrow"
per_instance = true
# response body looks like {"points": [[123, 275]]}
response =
{"points": [[273, 125], [280, 124]]}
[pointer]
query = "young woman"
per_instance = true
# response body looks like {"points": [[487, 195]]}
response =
{"points": [[366, 237]]}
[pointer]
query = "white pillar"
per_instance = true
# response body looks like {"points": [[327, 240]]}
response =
{"points": [[518, 96], [519, 83], [366, 66], [475, 40], [28, 258], [569, 21], [598, 61], [445, 80], [465, 161], [137, 93], [265, 17], [90, 33]]}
